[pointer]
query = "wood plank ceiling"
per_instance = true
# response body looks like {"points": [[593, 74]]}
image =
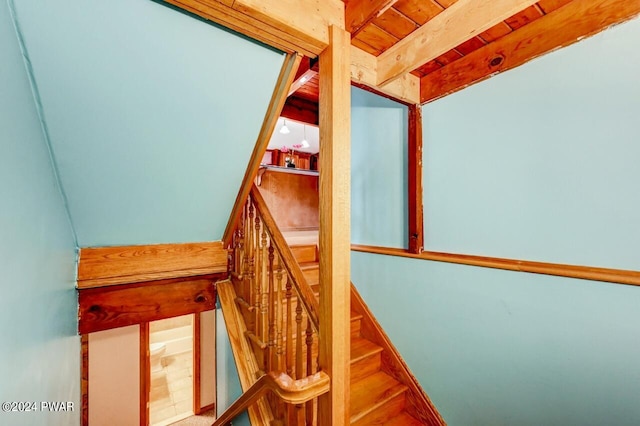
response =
{"points": [[376, 26]]}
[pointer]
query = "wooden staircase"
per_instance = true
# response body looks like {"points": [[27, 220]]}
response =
{"points": [[377, 396], [271, 307]]}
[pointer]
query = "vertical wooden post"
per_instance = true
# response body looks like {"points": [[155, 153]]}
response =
{"points": [[416, 231], [84, 379], [145, 374], [335, 200]]}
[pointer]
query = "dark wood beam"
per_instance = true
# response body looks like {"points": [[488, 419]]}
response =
{"points": [[300, 109], [358, 13], [559, 28], [105, 308], [416, 224]]}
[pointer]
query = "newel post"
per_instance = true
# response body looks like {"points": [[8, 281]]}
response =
{"points": [[335, 205]]}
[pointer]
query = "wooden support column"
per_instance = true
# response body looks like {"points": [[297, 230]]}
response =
{"points": [[416, 225], [335, 200]]}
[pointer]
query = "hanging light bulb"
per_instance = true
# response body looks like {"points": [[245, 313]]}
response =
{"points": [[284, 129], [304, 142]]}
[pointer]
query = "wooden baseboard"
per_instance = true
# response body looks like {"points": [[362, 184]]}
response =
{"points": [[616, 276], [206, 408]]}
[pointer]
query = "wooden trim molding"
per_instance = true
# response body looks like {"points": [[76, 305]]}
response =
{"points": [[285, 79], [106, 266], [84, 379], [616, 276], [283, 24], [562, 27], [196, 364], [145, 374], [416, 221]]}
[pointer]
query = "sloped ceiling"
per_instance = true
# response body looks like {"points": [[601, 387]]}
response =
{"points": [[152, 115]]}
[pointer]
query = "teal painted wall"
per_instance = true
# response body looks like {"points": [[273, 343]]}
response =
{"points": [[40, 351], [228, 381], [152, 114], [538, 163], [378, 154], [495, 347]]}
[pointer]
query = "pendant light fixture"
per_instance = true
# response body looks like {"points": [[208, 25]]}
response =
{"points": [[284, 129], [304, 142]]}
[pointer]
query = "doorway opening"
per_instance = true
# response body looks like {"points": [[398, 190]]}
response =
{"points": [[171, 359]]}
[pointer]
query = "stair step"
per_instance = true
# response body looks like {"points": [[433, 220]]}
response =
{"points": [[403, 419], [311, 272], [376, 398], [309, 266], [356, 323], [362, 348], [366, 358], [305, 252]]}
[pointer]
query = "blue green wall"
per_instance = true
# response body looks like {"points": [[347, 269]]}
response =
{"points": [[538, 163], [379, 155], [40, 351], [229, 388], [152, 115]]}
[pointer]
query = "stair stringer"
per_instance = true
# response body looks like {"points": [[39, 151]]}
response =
{"points": [[418, 403], [246, 363]]}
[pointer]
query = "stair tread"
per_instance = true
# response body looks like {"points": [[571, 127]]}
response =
{"points": [[372, 392], [362, 348], [403, 419], [305, 266]]}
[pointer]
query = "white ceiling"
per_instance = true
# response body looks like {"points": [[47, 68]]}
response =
{"points": [[294, 138]]}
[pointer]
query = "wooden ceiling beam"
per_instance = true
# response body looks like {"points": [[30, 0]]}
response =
{"points": [[302, 80], [299, 109], [299, 26], [460, 22], [359, 13], [560, 28], [290, 25], [364, 71]]}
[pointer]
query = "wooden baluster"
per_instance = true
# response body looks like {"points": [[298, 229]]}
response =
{"points": [[289, 323], [310, 370], [309, 342], [258, 256], [272, 316], [240, 255], [262, 290], [299, 357], [251, 272], [246, 282], [279, 325]]}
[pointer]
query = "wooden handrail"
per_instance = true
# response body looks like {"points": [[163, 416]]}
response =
{"points": [[616, 276], [288, 390], [287, 74], [290, 264]]}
